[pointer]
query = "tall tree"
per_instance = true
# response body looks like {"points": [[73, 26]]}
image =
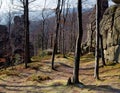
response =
{"points": [[44, 33], [43, 27], [25, 7], [26, 29], [100, 9], [58, 18], [78, 45], [72, 36], [65, 14], [102, 51], [10, 17], [103, 7], [96, 71]]}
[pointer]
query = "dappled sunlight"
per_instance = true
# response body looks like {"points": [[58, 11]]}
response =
{"points": [[40, 77], [59, 46]]}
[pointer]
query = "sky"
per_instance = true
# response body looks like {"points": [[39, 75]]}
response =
{"points": [[39, 5]]}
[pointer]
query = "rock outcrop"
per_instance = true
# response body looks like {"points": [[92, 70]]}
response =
{"points": [[17, 34], [110, 30], [4, 41], [18, 37], [92, 24]]}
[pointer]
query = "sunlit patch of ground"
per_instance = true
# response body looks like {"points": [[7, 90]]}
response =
{"points": [[39, 78]]}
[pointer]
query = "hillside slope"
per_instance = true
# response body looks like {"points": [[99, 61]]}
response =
{"points": [[39, 78]]}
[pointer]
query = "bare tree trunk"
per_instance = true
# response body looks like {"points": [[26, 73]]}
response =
{"points": [[65, 14], [51, 40], [102, 51], [100, 8], [96, 71], [58, 18], [103, 7], [91, 38], [55, 46], [63, 43], [78, 45], [43, 27], [26, 25], [59, 40], [42, 38], [73, 32]]}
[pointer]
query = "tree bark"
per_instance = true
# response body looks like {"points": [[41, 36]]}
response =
{"points": [[65, 14], [96, 70], [58, 18], [78, 45], [102, 51], [26, 27]]}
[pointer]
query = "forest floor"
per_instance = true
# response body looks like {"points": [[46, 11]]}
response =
{"points": [[39, 78]]}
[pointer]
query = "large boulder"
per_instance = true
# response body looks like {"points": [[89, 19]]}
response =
{"points": [[110, 30]]}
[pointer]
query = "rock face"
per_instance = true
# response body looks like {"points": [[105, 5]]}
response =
{"points": [[110, 30], [4, 41], [18, 37], [17, 34], [92, 24]]}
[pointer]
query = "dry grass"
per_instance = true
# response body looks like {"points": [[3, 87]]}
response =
{"points": [[38, 78], [35, 65], [9, 73], [46, 80]]}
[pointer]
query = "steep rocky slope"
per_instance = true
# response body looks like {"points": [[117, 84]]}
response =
{"points": [[110, 30]]}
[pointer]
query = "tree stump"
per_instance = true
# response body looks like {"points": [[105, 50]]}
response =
{"points": [[69, 82]]}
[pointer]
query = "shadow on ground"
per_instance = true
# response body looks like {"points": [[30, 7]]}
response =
{"points": [[100, 89]]}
